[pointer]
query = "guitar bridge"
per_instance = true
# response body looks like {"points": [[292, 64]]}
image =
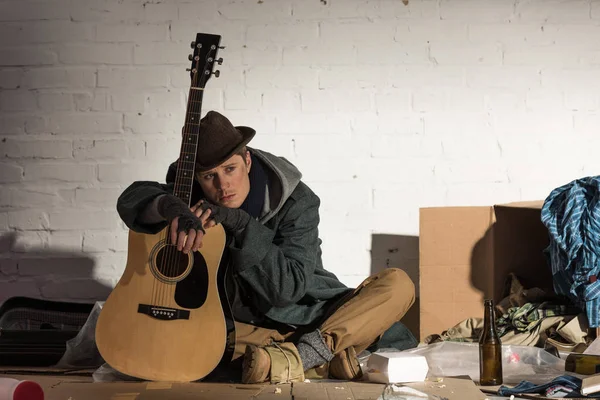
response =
{"points": [[163, 313]]}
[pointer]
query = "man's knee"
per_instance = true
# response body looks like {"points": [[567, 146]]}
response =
{"points": [[400, 285]]}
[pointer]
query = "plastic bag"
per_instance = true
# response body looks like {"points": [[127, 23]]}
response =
{"points": [[82, 351], [518, 362]]}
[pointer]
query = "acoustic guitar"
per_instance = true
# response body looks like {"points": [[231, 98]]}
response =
{"points": [[168, 318]]}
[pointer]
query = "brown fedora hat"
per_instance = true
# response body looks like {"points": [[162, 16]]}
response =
{"points": [[218, 140]]}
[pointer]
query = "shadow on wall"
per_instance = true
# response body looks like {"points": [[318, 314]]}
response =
{"points": [[402, 252], [47, 274]]}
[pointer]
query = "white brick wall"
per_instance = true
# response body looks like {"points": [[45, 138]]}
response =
{"points": [[385, 107]]}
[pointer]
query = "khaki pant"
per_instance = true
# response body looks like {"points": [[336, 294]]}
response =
{"points": [[373, 307]]}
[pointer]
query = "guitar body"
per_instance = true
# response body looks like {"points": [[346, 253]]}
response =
{"points": [[168, 317]]}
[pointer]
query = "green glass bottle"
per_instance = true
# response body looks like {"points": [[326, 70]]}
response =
{"points": [[490, 349]]}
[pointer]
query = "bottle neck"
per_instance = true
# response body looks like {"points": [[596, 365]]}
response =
{"points": [[489, 317]]}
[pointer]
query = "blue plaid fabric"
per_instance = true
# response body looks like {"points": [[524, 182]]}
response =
{"points": [[572, 215]]}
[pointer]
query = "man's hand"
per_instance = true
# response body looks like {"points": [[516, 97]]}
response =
{"points": [[233, 219], [186, 229]]}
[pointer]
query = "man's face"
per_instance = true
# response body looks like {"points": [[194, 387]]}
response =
{"points": [[228, 184]]}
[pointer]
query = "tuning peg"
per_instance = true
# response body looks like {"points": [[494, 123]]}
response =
{"points": [[217, 73], [193, 45], [190, 57], [221, 47], [219, 61]]}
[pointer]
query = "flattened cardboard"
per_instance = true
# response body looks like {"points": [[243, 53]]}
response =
{"points": [[466, 253]]}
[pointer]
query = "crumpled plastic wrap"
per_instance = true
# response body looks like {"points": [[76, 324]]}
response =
{"points": [[518, 362]]}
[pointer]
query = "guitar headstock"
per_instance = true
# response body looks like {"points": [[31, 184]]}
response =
{"points": [[206, 47]]}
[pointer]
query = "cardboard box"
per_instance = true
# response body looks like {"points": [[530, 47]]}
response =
{"points": [[466, 254]]}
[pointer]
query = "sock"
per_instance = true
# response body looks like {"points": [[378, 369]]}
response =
{"points": [[313, 350]]}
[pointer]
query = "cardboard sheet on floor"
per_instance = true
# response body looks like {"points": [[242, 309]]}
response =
{"points": [[450, 388]]}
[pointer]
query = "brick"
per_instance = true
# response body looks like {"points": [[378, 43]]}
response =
{"points": [[250, 10], [242, 99], [554, 56], [204, 11], [160, 12], [9, 32], [55, 101], [586, 124], [85, 123], [128, 101], [301, 33], [533, 124], [442, 99], [97, 53], [4, 221], [133, 78], [145, 124], [417, 76], [424, 32], [30, 242], [460, 170], [264, 54], [334, 10], [157, 149], [71, 78], [34, 10], [546, 99], [30, 219], [80, 219], [107, 11], [23, 287], [582, 100], [337, 77], [553, 10], [11, 78], [505, 100], [13, 124], [159, 53], [457, 124], [8, 267], [349, 146], [595, 10], [408, 169], [76, 289], [392, 146], [556, 174], [60, 172], [36, 125], [519, 147], [393, 54], [422, 10], [482, 194], [395, 123], [129, 172], [54, 32], [514, 77], [17, 100], [360, 33], [314, 124], [10, 173], [108, 149], [37, 196], [476, 10], [99, 242], [282, 78], [55, 266], [36, 148], [97, 196], [168, 102], [583, 79], [136, 33], [65, 241], [484, 147], [316, 54], [282, 145], [27, 57], [91, 101], [285, 100], [393, 100], [512, 34], [486, 54]]}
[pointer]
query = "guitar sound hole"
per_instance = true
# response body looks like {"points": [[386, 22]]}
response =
{"points": [[170, 262]]}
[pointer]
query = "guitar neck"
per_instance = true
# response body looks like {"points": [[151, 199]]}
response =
{"points": [[184, 178]]}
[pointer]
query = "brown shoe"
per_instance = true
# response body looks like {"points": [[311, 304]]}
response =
{"points": [[345, 366], [256, 365]]}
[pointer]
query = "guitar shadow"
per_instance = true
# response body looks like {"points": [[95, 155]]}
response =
{"points": [[49, 274]]}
